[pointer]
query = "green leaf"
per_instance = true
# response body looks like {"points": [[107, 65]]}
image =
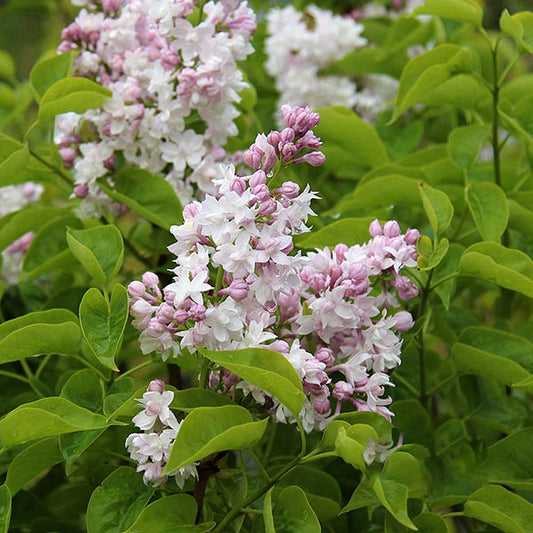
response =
{"points": [[172, 514], [428, 256], [438, 208], [460, 10], [449, 434], [100, 250], [31, 462], [494, 354], [380, 424], [103, 323], [147, 194], [209, 430], [430, 523], [8, 68], [85, 389], [5, 508], [351, 443], [46, 417], [349, 231], [29, 219], [48, 71], [268, 517], [188, 399], [427, 72], [393, 496], [463, 91], [367, 60], [403, 468], [72, 445], [525, 18], [465, 143], [489, 208], [508, 268], [39, 333], [266, 369], [509, 461], [293, 514], [117, 502], [48, 250], [72, 94], [363, 496], [502, 509], [413, 421], [391, 190], [511, 26], [322, 490], [350, 137], [13, 165], [449, 265]]}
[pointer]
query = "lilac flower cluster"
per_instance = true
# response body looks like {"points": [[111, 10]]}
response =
{"points": [[238, 283], [174, 83], [151, 448]]}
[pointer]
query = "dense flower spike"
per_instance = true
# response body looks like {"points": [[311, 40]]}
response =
{"points": [[165, 73], [238, 283]]}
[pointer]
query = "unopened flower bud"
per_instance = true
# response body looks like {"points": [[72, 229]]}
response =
{"points": [[412, 236], [375, 228], [404, 321], [391, 229], [156, 385]]}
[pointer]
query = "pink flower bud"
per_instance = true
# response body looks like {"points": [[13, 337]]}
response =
{"points": [[322, 407], [325, 355], [68, 155], [252, 157], [181, 316], [315, 159], [391, 229], [156, 385], [190, 211], [340, 251], [268, 208], [342, 391], [136, 289], [289, 151], [238, 185], [274, 139], [289, 189], [412, 236], [287, 135], [375, 228], [150, 280], [238, 290], [404, 321], [197, 312], [81, 191], [407, 290], [257, 178]]}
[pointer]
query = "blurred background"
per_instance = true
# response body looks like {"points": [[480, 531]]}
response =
{"points": [[31, 28]]}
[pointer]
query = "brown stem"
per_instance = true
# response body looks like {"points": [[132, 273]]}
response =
{"points": [[205, 471]]}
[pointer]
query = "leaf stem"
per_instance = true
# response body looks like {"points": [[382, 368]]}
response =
{"points": [[12, 375], [65, 177], [261, 469], [445, 279]]}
